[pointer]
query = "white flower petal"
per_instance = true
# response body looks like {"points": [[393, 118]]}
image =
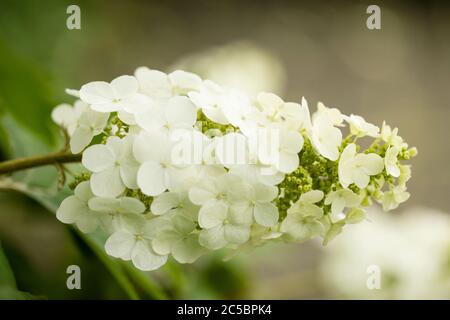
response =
{"points": [[80, 139], [124, 86], [188, 250], [120, 244], [236, 233], [151, 178], [107, 183], [98, 157], [97, 92], [212, 213], [213, 238], [266, 214], [144, 258], [181, 112], [165, 202]]}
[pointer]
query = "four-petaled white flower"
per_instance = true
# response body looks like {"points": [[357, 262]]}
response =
{"points": [[120, 94], [169, 115], [89, 125], [254, 202], [113, 166], [114, 210], [303, 217], [179, 239], [210, 99], [134, 242], [75, 209], [339, 200], [158, 170], [395, 196], [358, 167]]}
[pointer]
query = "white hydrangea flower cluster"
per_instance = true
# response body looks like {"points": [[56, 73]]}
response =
{"points": [[181, 166]]}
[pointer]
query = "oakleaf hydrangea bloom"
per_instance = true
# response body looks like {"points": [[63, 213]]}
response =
{"points": [[181, 166]]}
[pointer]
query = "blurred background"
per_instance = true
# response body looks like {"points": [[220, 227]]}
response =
{"points": [[320, 50]]}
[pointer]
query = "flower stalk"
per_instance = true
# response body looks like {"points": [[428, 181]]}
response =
{"points": [[56, 158]]}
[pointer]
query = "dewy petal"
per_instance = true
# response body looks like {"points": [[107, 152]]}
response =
{"points": [[98, 157], [154, 83], [187, 250], [97, 92], [144, 258], [212, 213], [80, 139], [124, 86], [236, 233], [131, 205], [120, 244], [181, 112], [213, 238], [165, 202], [107, 183], [266, 214], [151, 178], [70, 209]]}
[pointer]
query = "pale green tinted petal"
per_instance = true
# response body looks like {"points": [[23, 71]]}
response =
{"points": [[355, 215], [213, 238], [87, 222], [131, 205], [265, 193], [266, 214], [187, 250], [120, 244], [163, 243], [98, 157], [183, 224], [241, 213], [312, 196], [360, 178], [337, 206], [212, 213], [236, 233], [144, 258], [107, 183], [351, 198], [165, 202]]}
